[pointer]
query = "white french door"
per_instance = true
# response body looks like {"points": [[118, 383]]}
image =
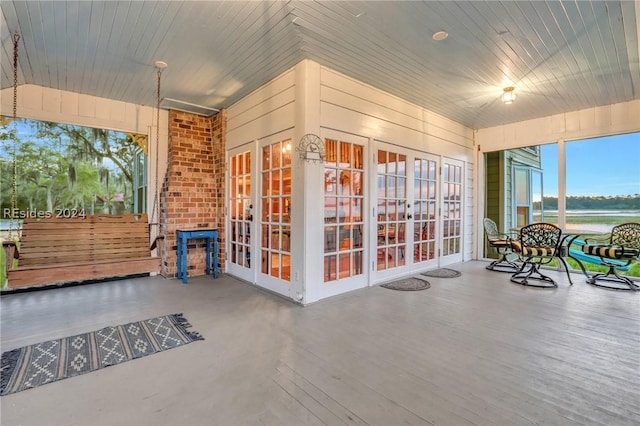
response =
{"points": [[241, 224], [425, 209], [274, 252], [259, 214], [407, 211], [452, 211], [344, 257]]}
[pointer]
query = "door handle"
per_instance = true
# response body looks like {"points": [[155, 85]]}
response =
{"points": [[409, 216]]}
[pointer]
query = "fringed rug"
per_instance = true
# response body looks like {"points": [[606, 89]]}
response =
{"points": [[408, 284], [46, 362], [442, 273]]}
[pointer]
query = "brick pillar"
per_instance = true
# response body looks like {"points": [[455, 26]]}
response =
{"points": [[192, 194]]}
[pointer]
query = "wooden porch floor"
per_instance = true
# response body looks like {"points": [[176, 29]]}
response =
{"points": [[474, 350]]}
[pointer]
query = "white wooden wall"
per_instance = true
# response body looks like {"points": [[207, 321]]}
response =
{"points": [[351, 106], [587, 123], [266, 111], [40, 103]]}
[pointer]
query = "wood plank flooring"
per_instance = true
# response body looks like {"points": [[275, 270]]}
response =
{"points": [[473, 350]]}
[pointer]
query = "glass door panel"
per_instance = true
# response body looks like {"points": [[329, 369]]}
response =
{"points": [[424, 209], [343, 210], [240, 220], [275, 219], [392, 209], [451, 211]]}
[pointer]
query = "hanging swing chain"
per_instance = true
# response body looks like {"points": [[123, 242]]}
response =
{"points": [[14, 189], [16, 39], [155, 197]]}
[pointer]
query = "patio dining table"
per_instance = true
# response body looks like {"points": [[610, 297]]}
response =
{"points": [[569, 236]]}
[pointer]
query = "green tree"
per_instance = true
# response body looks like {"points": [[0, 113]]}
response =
{"points": [[65, 166]]}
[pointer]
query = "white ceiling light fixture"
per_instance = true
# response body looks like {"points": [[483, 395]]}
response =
{"points": [[509, 95], [440, 35]]}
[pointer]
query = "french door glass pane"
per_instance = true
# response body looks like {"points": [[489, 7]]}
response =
{"points": [[276, 208], [240, 209], [452, 209], [343, 215], [392, 210], [424, 219]]}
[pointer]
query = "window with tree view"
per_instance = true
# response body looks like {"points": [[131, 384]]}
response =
{"points": [[62, 168]]}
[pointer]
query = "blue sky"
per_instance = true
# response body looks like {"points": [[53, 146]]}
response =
{"points": [[602, 166]]}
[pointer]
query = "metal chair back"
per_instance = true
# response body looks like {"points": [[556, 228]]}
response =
{"points": [[545, 237], [626, 235]]}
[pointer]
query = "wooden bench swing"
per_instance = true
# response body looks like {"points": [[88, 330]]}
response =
{"points": [[62, 250], [56, 250]]}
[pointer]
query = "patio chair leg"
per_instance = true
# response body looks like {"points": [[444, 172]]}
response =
{"points": [[612, 277], [503, 265], [533, 273], [566, 268]]}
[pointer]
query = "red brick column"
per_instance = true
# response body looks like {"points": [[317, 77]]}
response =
{"points": [[193, 192]]}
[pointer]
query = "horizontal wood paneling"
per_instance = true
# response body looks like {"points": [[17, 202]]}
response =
{"points": [[266, 107], [339, 89], [342, 118], [260, 95], [582, 124], [41, 103], [278, 120], [266, 111]]}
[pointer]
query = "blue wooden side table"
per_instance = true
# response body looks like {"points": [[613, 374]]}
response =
{"points": [[182, 238]]}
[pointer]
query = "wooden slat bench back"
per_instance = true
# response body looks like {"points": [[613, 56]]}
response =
{"points": [[56, 250]]}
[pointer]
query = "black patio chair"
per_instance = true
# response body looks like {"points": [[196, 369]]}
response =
{"points": [[623, 245], [538, 244], [501, 242]]}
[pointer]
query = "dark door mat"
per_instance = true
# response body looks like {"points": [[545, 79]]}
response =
{"points": [[442, 273], [408, 284]]}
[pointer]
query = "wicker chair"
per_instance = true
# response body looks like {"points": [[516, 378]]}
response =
{"points": [[623, 245], [538, 244], [501, 242]]}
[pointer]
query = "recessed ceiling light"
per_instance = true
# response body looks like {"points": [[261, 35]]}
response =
{"points": [[440, 35]]}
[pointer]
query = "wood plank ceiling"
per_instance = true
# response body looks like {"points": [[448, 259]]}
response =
{"points": [[560, 55]]}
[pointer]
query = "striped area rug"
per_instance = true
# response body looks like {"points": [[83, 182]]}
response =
{"points": [[53, 360]]}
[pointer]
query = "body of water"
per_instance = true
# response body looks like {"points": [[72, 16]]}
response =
{"points": [[611, 213], [594, 220]]}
